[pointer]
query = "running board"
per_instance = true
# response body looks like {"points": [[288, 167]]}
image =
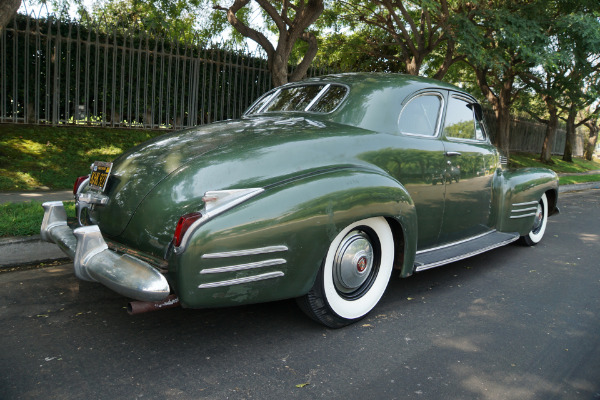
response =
{"points": [[446, 254]]}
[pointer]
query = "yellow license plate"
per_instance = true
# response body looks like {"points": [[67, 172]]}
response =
{"points": [[100, 174]]}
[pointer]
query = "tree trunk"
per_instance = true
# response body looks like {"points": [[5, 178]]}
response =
{"points": [[501, 104], [568, 153], [279, 73], [551, 126], [503, 129], [291, 29], [8, 8], [591, 142], [413, 66]]}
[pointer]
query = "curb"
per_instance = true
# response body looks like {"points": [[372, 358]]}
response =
{"points": [[18, 251], [576, 187]]}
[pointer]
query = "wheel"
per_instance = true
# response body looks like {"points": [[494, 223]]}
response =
{"points": [[354, 274], [539, 224]]}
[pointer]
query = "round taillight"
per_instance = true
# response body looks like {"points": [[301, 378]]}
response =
{"points": [[183, 225]]}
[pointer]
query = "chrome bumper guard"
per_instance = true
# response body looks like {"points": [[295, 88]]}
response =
{"points": [[94, 261]]}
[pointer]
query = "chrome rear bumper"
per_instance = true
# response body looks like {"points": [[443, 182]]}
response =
{"points": [[94, 261]]}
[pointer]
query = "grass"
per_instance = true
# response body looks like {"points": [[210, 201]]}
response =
{"points": [[521, 160], [25, 219], [46, 157], [571, 179]]}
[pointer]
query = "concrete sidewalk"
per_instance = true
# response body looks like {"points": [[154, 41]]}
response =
{"points": [[37, 195], [16, 251]]}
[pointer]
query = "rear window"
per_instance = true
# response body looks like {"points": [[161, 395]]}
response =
{"points": [[312, 98]]}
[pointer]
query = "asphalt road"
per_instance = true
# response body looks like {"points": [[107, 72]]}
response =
{"points": [[515, 323]]}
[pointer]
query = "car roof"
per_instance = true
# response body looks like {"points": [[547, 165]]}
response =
{"points": [[377, 79], [376, 99]]}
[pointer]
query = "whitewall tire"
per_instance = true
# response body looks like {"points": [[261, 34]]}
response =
{"points": [[354, 274], [539, 224]]}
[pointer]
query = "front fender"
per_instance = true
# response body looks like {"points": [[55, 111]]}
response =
{"points": [[514, 189], [272, 246]]}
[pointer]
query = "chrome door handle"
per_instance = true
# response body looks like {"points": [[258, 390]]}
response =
{"points": [[452, 153]]}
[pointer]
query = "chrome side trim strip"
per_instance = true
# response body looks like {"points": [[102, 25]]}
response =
{"points": [[525, 209], [455, 243], [466, 255], [248, 279], [242, 267], [527, 203], [522, 216], [247, 252]]}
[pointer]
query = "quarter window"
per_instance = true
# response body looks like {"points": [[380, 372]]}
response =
{"points": [[294, 99], [312, 98], [330, 100], [460, 122], [420, 115]]}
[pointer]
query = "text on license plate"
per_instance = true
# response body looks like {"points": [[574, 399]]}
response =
{"points": [[99, 175]]}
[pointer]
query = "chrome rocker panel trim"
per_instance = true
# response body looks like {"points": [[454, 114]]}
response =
{"points": [[503, 239], [94, 261]]}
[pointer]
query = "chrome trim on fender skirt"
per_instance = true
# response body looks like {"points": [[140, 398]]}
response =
{"points": [[239, 281], [527, 203], [522, 216], [247, 252], [525, 207], [93, 261], [242, 267]]}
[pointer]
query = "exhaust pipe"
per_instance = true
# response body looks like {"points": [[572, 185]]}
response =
{"points": [[140, 307]]}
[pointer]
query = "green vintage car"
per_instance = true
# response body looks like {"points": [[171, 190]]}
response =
{"points": [[319, 192]]}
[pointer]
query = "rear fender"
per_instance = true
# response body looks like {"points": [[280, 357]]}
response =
{"points": [[276, 241], [516, 191]]}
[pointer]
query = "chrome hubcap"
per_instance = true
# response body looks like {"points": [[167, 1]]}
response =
{"points": [[353, 262], [539, 218]]}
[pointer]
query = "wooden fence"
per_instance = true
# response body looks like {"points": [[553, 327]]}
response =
{"points": [[528, 136]]}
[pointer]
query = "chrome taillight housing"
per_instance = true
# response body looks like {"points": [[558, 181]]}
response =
{"points": [[215, 202]]}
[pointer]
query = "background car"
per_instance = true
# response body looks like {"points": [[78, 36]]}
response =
{"points": [[318, 193]]}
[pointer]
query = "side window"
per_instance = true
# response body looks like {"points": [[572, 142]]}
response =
{"points": [[420, 115], [460, 123]]}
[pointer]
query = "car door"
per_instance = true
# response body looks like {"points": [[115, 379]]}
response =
{"points": [[419, 159], [468, 171]]}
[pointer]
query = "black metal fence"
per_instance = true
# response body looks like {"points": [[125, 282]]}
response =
{"points": [[57, 72]]}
